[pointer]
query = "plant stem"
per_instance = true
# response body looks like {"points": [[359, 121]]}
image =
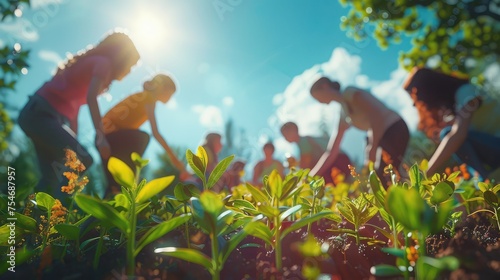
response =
{"points": [[406, 273], [312, 213], [98, 250], [277, 243], [131, 238], [187, 228], [215, 260], [395, 241], [496, 217]]}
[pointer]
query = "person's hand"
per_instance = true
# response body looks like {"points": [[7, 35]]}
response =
{"points": [[103, 147]]}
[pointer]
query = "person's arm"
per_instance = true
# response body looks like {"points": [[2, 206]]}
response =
{"points": [[73, 124], [97, 86], [455, 138], [332, 150], [150, 110]]}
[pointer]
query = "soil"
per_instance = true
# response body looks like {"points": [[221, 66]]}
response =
{"points": [[476, 243]]}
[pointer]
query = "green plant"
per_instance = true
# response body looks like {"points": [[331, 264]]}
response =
{"points": [[211, 215], [419, 218], [490, 194], [133, 200], [272, 203]]}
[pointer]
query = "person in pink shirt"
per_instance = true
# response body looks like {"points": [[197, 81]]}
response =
{"points": [[50, 117]]}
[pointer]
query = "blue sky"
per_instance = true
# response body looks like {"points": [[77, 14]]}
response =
{"points": [[252, 61]]}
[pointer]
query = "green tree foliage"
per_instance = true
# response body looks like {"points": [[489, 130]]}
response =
{"points": [[13, 62], [461, 36]]}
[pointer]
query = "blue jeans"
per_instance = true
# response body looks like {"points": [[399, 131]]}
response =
{"points": [[480, 151]]}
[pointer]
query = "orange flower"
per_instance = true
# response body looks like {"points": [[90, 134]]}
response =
{"points": [[412, 255], [73, 162], [57, 213]]}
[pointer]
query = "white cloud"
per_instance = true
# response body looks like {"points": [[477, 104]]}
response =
{"points": [[20, 29], [210, 116], [295, 103], [50, 56], [228, 101]]}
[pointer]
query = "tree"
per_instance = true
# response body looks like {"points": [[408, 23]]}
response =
{"points": [[13, 62], [458, 36]]}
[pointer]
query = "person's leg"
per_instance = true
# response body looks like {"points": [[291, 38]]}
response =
{"points": [[394, 143], [50, 135], [123, 143]]}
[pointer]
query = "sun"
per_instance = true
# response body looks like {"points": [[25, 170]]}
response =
{"points": [[148, 31]]}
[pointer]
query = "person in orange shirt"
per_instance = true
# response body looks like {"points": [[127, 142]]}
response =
{"points": [[122, 122]]}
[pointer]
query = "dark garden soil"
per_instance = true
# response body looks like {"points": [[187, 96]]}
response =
{"points": [[476, 244]]}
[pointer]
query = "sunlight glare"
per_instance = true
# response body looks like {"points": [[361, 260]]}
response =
{"points": [[148, 31]]}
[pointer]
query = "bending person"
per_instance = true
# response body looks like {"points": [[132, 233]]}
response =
{"points": [[473, 134], [50, 118], [124, 120], [311, 149], [387, 132]]}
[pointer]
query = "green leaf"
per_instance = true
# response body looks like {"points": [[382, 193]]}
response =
{"points": [[184, 192], [257, 195], [483, 186], [378, 191], [140, 207], [384, 270], [189, 255], [442, 191], [121, 172], [491, 198], [415, 177], [275, 184], [71, 232], [219, 170], [152, 188], [196, 164], [160, 230], [22, 255], [102, 211], [400, 253], [25, 222], [289, 212], [138, 161], [259, 230], [406, 206], [288, 186], [211, 202], [304, 221], [232, 244], [431, 268], [201, 153], [44, 201]]}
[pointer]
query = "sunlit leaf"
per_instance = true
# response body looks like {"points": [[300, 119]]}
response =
{"points": [[160, 230], [442, 191], [189, 255], [305, 221], [44, 201], [196, 164], [152, 188], [259, 230], [219, 170], [102, 211], [121, 172]]}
